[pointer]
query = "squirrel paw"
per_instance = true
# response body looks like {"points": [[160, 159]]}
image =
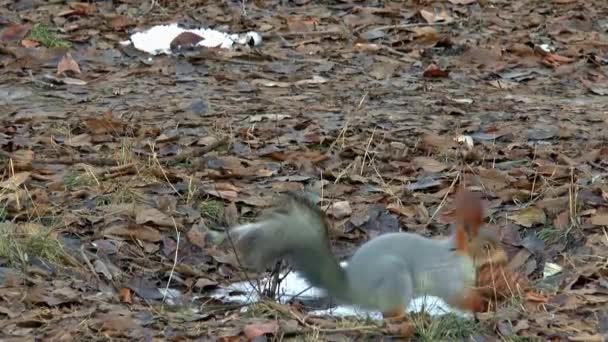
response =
{"points": [[403, 329], [397, 323]]}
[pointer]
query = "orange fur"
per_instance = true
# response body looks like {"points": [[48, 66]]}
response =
{"points": [[469, 212], [460, 240], [469, 216], [395, 314], [470, 301]]}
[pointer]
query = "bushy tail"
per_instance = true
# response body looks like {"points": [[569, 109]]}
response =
{"points": [[297, 231]]}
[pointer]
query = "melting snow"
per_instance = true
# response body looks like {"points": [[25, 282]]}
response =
{"points": [[157, 40]]}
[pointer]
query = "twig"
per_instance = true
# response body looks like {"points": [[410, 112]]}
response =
{"points": [[162, 170], [443, 200], [64, 161], [302, 33], [182, 157], [174, 261], [301, 320], [275, 280], [88, 262], [238, 261], [406, 26]]}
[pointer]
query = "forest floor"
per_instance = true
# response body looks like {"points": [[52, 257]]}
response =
{"points": [[120, 171]]}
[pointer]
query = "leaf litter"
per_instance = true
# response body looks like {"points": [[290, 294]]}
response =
{"points": [[121, 170]]}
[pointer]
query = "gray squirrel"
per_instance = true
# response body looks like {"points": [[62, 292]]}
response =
{"points": [[386, 272]]}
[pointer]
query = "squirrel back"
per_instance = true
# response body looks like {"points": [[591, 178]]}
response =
{"points": [[385, 273]]}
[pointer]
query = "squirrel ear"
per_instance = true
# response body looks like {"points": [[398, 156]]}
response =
{"points": [[469, 212]]}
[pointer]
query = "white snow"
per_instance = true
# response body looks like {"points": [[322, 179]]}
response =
{"points": [[157, 40], [295, 285]]}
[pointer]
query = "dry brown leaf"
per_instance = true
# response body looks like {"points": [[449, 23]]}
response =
{"points": [[29, 43], [79, 140], [434, 71], [15, 32], [106, 124], [143, 233], [529, 217], [125, 295], [252, 331], [185, 40], [426, 35], [15, 181], [339, 209], [493, 179], [429, 164], [600, 219], [112, 322], [407, 211], [462, 2], [203, 283], [536, 297], [562, 220], [153, 215], [196, 236], [121, 22], [67, 63], [432, 140], [432, 17], [588, 338]]}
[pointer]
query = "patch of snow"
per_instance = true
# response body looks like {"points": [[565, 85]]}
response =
{"points": [[157, 40], [295, 286]]}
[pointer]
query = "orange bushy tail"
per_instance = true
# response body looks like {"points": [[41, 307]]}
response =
{"points": [[469, 216]]}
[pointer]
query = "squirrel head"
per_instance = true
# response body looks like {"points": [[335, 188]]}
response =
{"points": [[481, 245]]}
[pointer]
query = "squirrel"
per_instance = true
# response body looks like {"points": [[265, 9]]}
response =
{"points": [[386, 272]]}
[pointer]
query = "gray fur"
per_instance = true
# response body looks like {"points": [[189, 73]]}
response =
{"points": [[384, 273]]}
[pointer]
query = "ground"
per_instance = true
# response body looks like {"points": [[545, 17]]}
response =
{"points": [[121, 171]]}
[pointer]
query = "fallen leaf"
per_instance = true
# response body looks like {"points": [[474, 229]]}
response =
{"points": [[185, 40], [252, 331], [80, 140], [562, 220], [196, 236], [113, 322], [554, 60], [125, 295], [15, 32], [15, 181], [462, 2], [587, 338], [203, 283], [407, 211], [29, 43], [600, 219], [153, 215], [143, 233], [121, 22], [434, 71], [102, 268], [105, 124], [529, 217], [536, 297], [339, 209], [67, 63], [269, 117], [432, 17], [429, 164]]}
